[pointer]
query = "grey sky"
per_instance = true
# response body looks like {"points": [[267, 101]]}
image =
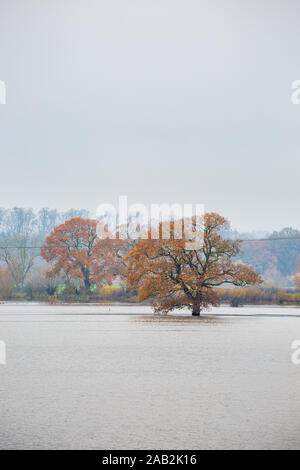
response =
{"points": [[164, 101]]}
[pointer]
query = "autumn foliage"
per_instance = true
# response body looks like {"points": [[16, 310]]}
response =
{"points": [[297, 276], [6, 285], [74, 250], [173, 277]]}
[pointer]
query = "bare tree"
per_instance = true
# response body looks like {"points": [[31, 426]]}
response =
{"points": [[19, 256], [19, 221], [47, 220], [73, 213]]}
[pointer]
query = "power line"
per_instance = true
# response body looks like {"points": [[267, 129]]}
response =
{"points": [[250, 240], [269, 239], [20, 247]]}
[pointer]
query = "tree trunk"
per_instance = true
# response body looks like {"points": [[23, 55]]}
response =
{"points": [[196, 310], [87, 284], [86, 276]]}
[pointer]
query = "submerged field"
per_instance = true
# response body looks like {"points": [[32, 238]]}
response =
{"points": [[118, 377]]}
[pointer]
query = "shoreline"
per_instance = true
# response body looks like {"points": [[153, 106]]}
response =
{"points": [[129, 304]]}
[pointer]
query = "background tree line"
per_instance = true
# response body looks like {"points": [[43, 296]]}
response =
{"points": [[24, 273], [22, 232], [274, 255]]}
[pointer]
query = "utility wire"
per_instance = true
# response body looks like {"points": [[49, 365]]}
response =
{"points": [[250, 240], [20, 247], [270, 239]]}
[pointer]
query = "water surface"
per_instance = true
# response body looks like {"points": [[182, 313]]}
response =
{"points": [[99, 377]]}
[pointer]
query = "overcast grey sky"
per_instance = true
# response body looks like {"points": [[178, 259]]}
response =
{"points": [[161, 100]]}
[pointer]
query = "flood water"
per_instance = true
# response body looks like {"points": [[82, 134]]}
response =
{"points": [[98, 377]]}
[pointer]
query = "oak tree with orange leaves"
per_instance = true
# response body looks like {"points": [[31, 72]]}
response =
{"points": [[174, 277], [74, 249]]}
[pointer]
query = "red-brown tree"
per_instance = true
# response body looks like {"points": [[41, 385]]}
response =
{"points": [[74, 249], [173, 277]]}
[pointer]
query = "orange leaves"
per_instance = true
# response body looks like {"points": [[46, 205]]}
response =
{"points": [[162, 270], [174, 277], [74, 249]]}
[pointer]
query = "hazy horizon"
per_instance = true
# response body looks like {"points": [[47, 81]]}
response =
{"points": [[165, 102]]}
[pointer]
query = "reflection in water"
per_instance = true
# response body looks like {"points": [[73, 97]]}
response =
{"points": [[205, 318]]}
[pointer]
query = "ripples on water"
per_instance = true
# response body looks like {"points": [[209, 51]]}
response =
{"points": [[89, 377]]}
